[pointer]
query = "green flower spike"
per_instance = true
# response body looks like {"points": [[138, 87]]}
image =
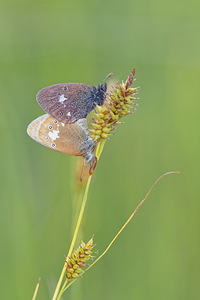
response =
{"points": [[119, 103], [78, 259]]}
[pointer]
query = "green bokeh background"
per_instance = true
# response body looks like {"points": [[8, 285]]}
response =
{"points": [[47, 42]]}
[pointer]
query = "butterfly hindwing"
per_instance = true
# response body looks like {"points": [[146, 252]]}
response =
{"points": [[67, 138]]}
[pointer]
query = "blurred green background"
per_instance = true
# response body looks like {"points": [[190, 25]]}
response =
{"points": [[48, 42]]}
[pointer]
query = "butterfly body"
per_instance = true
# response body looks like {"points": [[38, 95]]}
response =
{"points": [[67, 138], [69, 102]]}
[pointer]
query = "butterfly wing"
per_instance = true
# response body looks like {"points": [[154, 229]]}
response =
{"points": [[67, 138], [67, 102]]}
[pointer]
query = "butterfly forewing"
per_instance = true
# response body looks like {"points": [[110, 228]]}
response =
{"points": [[67, 102], [67, 138]]}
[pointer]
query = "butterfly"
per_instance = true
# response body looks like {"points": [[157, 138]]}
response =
{"points": [[67, 138], [69, 102]]}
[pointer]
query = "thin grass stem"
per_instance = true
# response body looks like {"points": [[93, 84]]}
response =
{"points": [[123, 227], [36, 290], [57, 295], [74, 237], [129, 219]]}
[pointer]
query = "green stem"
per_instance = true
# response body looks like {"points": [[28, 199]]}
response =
{"points": [[125, 224], [80, 216], [98, 153], [74, 238], [130, 218], [62, 289], [57, 296], [36, 290]]}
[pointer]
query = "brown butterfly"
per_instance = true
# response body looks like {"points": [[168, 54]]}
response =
{"points": [[67, 138], [69, 102]]}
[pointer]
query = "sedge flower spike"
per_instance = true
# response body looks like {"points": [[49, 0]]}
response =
{"points": [[119, 103], [78, 259]]}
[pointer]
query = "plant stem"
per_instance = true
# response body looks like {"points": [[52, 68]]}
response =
{"points": [[130, 218], [123, 227], [74, 237], [36, 290], [57, 296], [100, 150], [62, 289]]}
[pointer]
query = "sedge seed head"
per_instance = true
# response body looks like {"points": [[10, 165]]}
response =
{"points": [[119, 102], [78, 259]]}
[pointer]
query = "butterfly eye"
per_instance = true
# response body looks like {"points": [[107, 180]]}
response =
{"points": [[50, 127], [85, 143]]}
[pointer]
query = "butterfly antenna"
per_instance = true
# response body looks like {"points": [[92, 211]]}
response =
{"points": [[109, 75]]}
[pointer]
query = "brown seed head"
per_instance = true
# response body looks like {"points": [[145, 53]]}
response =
{"points": [[78, 259], [119, 103]]}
